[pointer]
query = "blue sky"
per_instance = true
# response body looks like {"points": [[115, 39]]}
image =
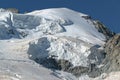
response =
{"points": [[107, 11]]}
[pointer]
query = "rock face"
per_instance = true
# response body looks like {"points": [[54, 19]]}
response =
{"points": [[103, 29], [13, 10], [112, 60], [100, 27], [63, 65]]}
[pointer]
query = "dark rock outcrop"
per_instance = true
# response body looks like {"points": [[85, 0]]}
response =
{"points": [[63, 65], [112, 60], [100, 27], [103, 29], [13, 10]]}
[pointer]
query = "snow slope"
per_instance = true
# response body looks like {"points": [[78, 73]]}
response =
{"points": [[73, 23], [58, 32]]}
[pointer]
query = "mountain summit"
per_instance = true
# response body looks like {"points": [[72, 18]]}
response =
{"points": [[69, 43]]}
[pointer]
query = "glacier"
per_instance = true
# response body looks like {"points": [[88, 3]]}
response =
{"points": [[58, 33]]}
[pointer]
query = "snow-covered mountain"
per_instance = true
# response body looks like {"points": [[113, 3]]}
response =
{"points": [[47, 44]]}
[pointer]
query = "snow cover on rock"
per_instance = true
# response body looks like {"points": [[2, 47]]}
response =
{"points": [[56, 32], [110, 76]]}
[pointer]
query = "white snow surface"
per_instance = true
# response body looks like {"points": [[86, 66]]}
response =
{"points": [[43, 33], [76, 26]]}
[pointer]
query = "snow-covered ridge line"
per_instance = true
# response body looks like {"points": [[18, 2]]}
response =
{"points": [[52, 21]]}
